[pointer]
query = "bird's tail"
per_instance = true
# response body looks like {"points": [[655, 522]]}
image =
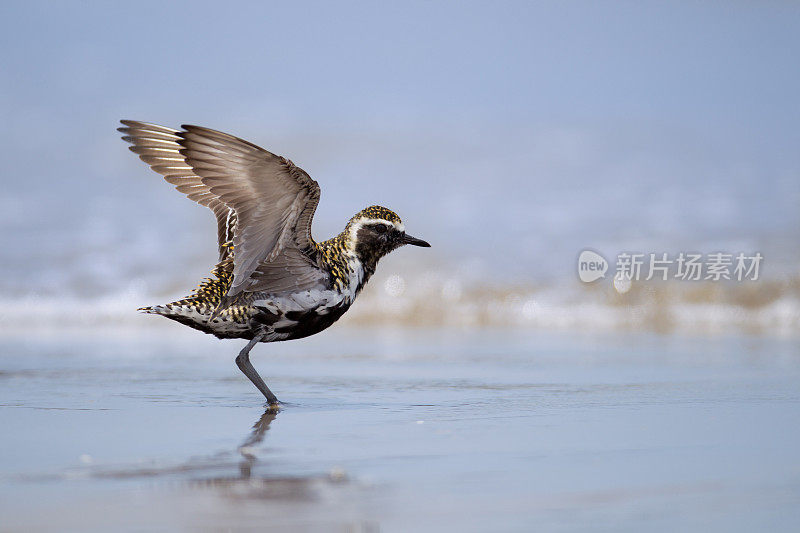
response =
{"points": [[208, 300], [179, 308]]}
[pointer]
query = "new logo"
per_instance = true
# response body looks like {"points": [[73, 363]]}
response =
{"points": [[591, 266]]}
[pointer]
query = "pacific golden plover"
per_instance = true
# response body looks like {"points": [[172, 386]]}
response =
{"points": [[273, 281]]}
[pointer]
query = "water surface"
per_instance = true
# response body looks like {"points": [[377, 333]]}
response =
{"points": [[399, 430]]}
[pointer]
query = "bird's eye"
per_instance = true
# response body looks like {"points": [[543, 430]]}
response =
{"points": [[381, 228]]}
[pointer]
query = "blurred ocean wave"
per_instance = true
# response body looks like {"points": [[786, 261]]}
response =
{"points": [[769, 308], [436, 298]]}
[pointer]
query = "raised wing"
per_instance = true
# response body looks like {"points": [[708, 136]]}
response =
{"points": [[160, 148], [272, 199]]}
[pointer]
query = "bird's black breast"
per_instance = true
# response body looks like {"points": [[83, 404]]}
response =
{"points": [[299, 324]]}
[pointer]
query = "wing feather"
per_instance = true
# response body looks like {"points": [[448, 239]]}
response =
{"points": [[274, 201], [268, 200], [158, 147]]}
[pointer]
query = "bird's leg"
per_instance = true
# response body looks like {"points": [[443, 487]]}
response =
{"points": [[243, 362]]}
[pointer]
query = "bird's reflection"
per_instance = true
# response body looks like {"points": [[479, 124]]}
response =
{"points": [[257, 434], [261, 484]]}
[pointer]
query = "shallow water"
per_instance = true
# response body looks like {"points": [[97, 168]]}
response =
{"points": [[399, 430]]}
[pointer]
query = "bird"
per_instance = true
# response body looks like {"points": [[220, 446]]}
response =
{"points": [[272, 282]]}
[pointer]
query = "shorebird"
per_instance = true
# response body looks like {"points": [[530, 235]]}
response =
{"points": [[273, 281]]}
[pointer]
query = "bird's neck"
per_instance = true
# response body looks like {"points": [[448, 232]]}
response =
{"points": [[358, 275], [350, 268]]}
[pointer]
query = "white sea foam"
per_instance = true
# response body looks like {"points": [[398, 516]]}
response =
{"points": [[434, 299]]}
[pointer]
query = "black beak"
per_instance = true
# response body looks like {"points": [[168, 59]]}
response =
{"points": [[408, 239]]}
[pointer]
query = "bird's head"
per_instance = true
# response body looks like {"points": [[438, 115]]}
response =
{"points": [[375, 231]]}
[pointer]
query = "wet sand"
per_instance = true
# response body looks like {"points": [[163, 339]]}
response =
{"points": [[400, 430]]}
